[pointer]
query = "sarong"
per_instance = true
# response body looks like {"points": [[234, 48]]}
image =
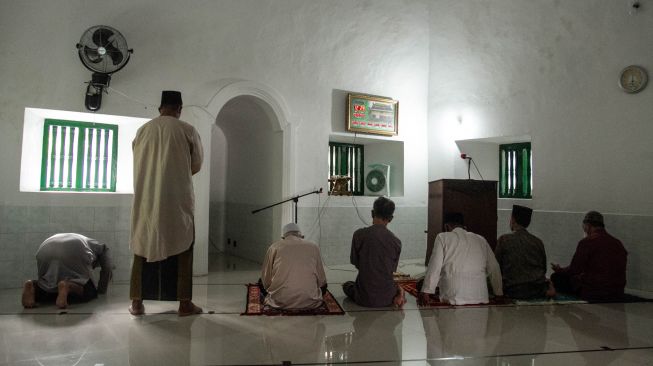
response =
{"points": [[168, 280]]}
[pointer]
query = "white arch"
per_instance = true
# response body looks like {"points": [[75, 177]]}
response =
{"points": [[280, 122]]}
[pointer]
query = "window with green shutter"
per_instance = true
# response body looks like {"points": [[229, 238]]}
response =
{"points": [[347, 160], [79, 156], [515, 175]]}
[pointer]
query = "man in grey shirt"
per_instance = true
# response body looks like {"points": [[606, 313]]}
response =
{"points": [[375, 252], [65, 265], [522, 259]]}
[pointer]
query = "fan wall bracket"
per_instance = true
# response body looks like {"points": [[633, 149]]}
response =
{"points": [[94, 90]]}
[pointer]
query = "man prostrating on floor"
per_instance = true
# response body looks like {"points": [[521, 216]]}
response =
{"points": [[375, 252], [65, 266], [293, 275]]}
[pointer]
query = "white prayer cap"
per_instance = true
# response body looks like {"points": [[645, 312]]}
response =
{"points": [[288, 228]]}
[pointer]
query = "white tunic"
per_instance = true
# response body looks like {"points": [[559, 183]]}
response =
{"points": [[293, 274], [167, 152], [460, 263]]}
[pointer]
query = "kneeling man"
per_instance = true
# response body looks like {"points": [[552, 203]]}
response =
{"points": [[375, 252], [293, 275], [460, 263], [65, 265], [522, 259], [598, 269]]}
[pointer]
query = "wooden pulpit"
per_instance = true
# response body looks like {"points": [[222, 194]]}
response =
{"points": [[475, 199]]}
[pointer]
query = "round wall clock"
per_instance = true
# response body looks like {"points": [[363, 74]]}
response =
{"points": [[633, 79]]}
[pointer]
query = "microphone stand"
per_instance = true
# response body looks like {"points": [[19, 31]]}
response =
{"points": [[294, 199]]}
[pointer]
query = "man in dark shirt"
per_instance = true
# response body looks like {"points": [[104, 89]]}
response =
{"points": [[522, 259], [375, 252], [598, 269]]}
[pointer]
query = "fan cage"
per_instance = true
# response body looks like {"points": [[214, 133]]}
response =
{"points": [[114, 43]]}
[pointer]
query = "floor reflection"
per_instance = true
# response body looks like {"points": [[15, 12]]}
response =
{"points": [[376, 336], [296, 338], [524, 329], [589, 330], [457, 333], [166, 341]]}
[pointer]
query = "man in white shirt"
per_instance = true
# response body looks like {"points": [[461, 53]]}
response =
{"points": [[293, 275], [460, 263]]}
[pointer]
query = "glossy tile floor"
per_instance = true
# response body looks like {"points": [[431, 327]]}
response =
{"points": [[104, 333]]}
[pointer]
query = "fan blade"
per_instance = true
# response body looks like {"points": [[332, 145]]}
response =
{"points": [[101, 36], [92, 55], [116, 54]]}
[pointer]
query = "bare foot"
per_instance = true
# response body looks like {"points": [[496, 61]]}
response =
{"points": [[187, 308], [62, 295], [400, 299], [137, 308], [29, 297], [551, 291]]}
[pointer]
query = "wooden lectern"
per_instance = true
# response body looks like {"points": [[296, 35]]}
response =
{"points": [[475, 199]]}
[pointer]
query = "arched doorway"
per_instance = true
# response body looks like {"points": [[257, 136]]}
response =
{"points": [[247, 172]]}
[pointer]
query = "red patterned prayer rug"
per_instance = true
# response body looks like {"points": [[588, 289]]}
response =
{"points": [[255, 306], [410, 286]]}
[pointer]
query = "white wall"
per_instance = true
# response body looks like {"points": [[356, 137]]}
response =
{"points": [[304, 51], [549, 69]]}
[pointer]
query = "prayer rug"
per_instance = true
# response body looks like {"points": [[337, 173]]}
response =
{"points": [[558, 299], [410, 286], [255, 305]]}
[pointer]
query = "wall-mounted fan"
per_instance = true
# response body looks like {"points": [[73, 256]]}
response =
{"points": [[377, 180], [103, 50]]}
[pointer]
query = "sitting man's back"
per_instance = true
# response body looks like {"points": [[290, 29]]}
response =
{"points": [[460, 263], [375, 252], [522, 259], [293, 275], [598, 269]]}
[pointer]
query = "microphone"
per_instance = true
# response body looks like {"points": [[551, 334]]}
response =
{"points": [[470, 161]]}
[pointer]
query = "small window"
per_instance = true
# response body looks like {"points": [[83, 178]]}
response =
{"points": [[79, 156], [347, 160], [515, 175]]}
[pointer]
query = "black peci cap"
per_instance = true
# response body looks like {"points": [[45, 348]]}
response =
{"points": [[522, 215], [171, 97]]}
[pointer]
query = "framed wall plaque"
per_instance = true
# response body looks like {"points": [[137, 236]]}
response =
{"points": [[370, 114]]}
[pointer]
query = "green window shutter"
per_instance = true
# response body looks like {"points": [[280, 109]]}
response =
{"points": [[348, 159], [515, 170], [79, 156]]}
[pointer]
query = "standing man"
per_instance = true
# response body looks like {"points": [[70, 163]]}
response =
{"points": [[460, 263], [293, 275], [522, 259], [598, 269], [375, 252], [65, 266], [167, 153]]}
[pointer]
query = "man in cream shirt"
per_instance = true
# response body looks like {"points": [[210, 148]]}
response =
{"points": [[460, 263], [293, 275]]}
